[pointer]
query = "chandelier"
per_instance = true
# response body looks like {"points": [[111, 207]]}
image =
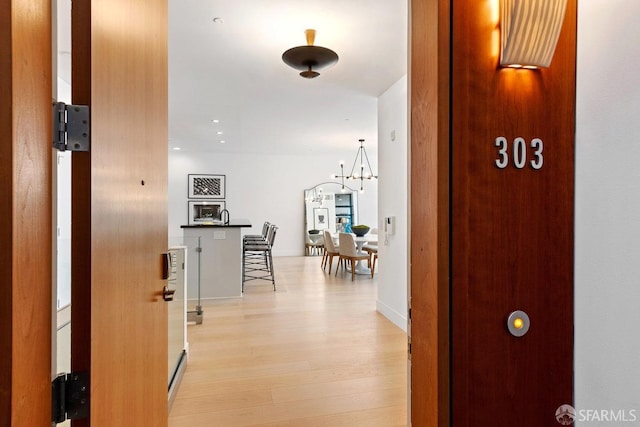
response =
{"points": [[315, 195], [365, 169]]}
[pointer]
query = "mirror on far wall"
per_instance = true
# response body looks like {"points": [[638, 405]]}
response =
{"points": [[330, 207]]}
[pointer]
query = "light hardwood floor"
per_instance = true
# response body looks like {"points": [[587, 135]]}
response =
{"points": [[314, 353]]}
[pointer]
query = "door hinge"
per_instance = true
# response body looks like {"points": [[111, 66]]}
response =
{"points": [[70, 397], [71, 127], [409, 347]]}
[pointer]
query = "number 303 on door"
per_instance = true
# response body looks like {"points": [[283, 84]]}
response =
{"points": [[519, 153]]}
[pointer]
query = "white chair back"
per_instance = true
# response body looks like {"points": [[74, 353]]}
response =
{"points": [[347, 245], [316, 239], [328, 242]]}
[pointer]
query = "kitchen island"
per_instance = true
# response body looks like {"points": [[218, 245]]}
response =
{"points": [[215, 259]]}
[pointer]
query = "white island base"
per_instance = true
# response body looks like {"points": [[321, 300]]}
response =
{"points": [[219, 262]]}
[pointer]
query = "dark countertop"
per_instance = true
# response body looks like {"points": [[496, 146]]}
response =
{"points": [[234, 223]]}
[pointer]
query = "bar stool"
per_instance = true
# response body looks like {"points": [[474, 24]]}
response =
{"points": [[257, 258]]}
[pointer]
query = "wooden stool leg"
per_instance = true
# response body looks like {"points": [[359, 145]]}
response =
{"points": [[373, 267]]}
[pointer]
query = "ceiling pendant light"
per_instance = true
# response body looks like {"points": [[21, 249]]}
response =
{"points": [[309, 58], [365, 173]]}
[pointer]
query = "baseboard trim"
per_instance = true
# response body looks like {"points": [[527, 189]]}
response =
{"points": [[177, 378], [396, 318]]}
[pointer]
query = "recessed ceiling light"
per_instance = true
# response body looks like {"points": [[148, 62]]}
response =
{"points": [[223, 141], [218, 20], [177, 148], [219, 132], [215, 121]]}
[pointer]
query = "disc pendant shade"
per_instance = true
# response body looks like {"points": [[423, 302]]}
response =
{"points": [[529, 31], [309, 58]]}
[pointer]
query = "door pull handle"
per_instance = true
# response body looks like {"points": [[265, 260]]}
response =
{"points": [[166, 265], [167, 294]]}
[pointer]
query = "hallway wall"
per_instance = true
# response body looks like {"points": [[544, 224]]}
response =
{"points": [[607, 267], [264, 187], [393, 191]]}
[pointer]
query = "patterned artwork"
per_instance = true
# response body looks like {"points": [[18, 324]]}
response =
{"points": [[206, 186]]}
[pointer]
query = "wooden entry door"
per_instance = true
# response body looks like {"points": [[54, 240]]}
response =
{"points": [[490, 234], [512, 169], [25, 206], [119, 210]]}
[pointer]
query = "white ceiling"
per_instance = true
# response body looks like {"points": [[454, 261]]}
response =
{"points": [[233, 72]]}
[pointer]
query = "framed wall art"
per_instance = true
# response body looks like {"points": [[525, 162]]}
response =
{"points": [[207, 186], [204, 212], [320, 218]]}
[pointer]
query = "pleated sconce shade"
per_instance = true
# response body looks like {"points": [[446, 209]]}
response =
{"points": [[529, 31]]}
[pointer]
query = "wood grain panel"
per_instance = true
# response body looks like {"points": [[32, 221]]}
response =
{"points": [[507, 251], [81, 290], [512, 229], [124, 211], [430, 212], [6, 211], [25, 206]]}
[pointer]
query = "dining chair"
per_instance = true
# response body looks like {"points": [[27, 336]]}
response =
{"points": [[372, 250], [330, 251], [314, 244], [373, 265], [348, 252]]}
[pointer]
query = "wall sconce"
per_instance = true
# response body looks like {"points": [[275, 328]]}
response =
{"points": [[529, 32]]}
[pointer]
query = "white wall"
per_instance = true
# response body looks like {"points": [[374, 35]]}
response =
{"points": [[393, 193], [262, 188], [607, 259], [62, 202]]}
